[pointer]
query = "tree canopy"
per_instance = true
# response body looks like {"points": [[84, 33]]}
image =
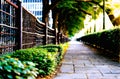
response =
{"points": [[73, 13], [69, 15]]}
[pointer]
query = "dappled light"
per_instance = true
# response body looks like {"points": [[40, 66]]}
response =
{"points": [[94, 23]]}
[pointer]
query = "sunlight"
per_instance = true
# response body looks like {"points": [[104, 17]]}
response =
{"points": [[116, 12], [115, 6], [92, 25], [115, 1]]}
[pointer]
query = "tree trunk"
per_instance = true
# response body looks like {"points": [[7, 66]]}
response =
{"points": [[55, 15], [45, 11]]}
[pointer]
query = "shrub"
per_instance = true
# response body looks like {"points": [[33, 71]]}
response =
{"points": [[46, 58], [12, 68], [52, 48], [45, 61], [55, 50], [109, 39]]}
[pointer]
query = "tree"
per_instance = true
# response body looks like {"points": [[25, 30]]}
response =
{"points": [[68, 15], [72, 14]]}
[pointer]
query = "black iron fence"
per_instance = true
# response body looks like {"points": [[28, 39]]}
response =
{"points": [[20, 29], [35, 32], [8, 27]]}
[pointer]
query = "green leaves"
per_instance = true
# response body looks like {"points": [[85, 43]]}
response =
{"points": [[47, 57], [69, 4], [73, 12], [12, 68]]}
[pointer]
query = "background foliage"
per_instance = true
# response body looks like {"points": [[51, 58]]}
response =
{"points": [[74, 12]]}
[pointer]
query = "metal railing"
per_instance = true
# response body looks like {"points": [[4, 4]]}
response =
{"points": [[23, 30], [35, 32]]}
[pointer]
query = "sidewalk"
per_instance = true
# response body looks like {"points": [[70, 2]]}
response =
{"points": [[83, 62]]}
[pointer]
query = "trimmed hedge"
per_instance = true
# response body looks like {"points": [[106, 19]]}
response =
{"points": [[45, 60], [53, 49], [109, 39]]}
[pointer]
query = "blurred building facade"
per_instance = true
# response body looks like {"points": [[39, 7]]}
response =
{"points": [[36, 8]]}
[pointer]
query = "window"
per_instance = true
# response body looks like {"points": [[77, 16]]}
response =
{"points": [[38, 0], [14, 1], [39, 18], [31, 1], [24, 1], [38, 12]]}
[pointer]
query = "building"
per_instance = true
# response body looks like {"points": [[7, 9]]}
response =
{"points": [[34, 6]]}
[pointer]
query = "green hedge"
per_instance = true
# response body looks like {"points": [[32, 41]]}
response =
{"points": [[46, 58], [109, 39], [53, 49]]}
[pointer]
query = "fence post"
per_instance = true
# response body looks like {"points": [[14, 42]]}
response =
{"points": [[56, 35], [19, 25], [119, 55], [61, 38], [46, 33], [118, 45], [58, 41]]}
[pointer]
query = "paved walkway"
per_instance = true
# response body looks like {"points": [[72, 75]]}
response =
{"points": [[83, 62]]}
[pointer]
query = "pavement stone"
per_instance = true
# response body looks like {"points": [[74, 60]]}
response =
{"points": [[71, 76], [67, 68], [84, 62]]}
